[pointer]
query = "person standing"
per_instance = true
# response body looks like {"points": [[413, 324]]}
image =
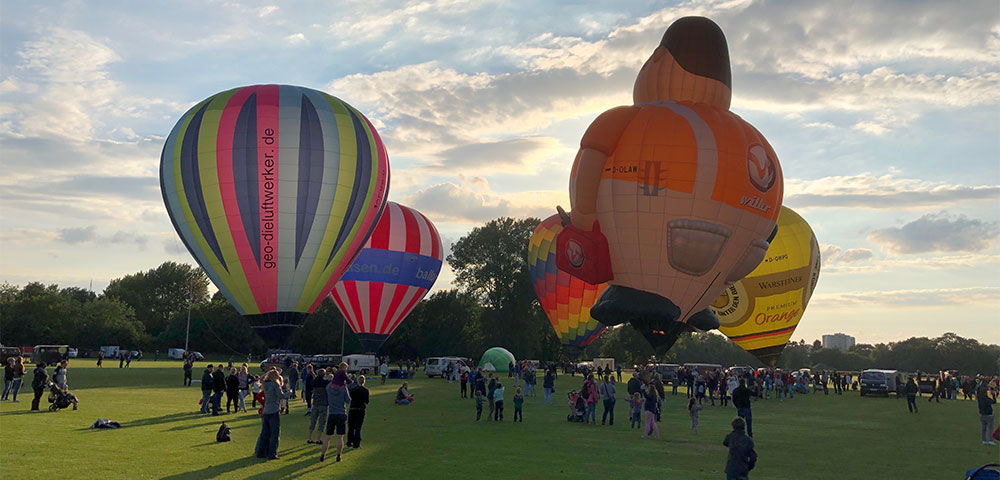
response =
{"points": [[206, 389], [590, 395], [911, 395], [383, 370], [336, 424], [121, 359], [319, 414], [490, 397], [59, 377], [985, 402], [218, 388], [650, 406], [38, 383], [356, 415], [244, 386], [618, 369], [518, 406], [548, 385], [464, 379], [18, 378], [270, 420], [742, 456], [694, 410], [498, 403], [293, 379], [607, 392], [8, 377], [187, 372], [100, 359], [232, 391], [307, 386], [741, 400]]}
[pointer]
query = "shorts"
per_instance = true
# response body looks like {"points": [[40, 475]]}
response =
{"points": [[336, 422], [317, 417]]}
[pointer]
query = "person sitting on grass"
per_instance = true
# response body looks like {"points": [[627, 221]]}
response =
{"points": [[577, 407], [742, 457], [479, 404], [403, 396]]}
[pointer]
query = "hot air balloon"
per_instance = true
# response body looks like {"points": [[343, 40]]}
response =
{"points": [[761, 311], [497, 359], [565, 298], [274, 189], [674, 196], [393, 272]]}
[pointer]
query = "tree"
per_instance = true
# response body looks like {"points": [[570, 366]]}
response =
{"points": [[161, 294]]}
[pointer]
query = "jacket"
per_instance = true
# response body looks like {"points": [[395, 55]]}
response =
{"points": [[218, 381], [272, 393], [337, 397], [206, 380], [985, 403], [741, 397], [742, 456], [41, 378], [359, 398]]}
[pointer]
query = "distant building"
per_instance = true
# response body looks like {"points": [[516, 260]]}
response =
{"points": [[839, 341]]}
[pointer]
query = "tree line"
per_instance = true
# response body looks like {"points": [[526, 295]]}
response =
{"points": [[493, 304]]}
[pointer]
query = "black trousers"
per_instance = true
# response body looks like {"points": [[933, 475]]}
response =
{"points": [[39, 391], [911, 402], [233, 397], [355, 418], [187, 379]]}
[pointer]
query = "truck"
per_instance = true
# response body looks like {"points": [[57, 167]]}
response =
{"points": [[435, 366], [363, 363], [604, 363], [878, 382], [49, 354]]}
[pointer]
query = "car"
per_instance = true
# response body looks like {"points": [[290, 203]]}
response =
{"points": [[324, 360], [73, 353], [740, 370], [8, 352], [667, 371], [878, 382], [278, 360]]}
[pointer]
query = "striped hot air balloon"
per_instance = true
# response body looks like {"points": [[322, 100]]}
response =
{"points": [[565, 298], [396, 268], [274, 189]]}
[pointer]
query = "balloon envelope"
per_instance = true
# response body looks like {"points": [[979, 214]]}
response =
{"points": [[274, 189], [565, 298], [761, 311], [500, 358], [393, 272]]}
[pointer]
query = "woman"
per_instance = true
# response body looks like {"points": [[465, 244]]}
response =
{"points": [[651, 407], [590, 394], [244, 386], [548, 384], [318, 415], [356, 415], [233, 391], [18, 377], [307, 382], [270, 422], [8, 377], [403, 396]]}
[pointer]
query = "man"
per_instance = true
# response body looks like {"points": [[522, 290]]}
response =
{"points": [[39, 383], [206, 388], [741, 400], [618, 370], [911, 395], [383, 370], [187, 372], [293, 378], [985, 414], [356, 416], [607, 391], [218, 387], [742, 456], [336, 423], [634, 385], [307, 386]]}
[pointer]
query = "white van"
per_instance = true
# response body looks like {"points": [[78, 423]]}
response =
{"points": [[604, 363], [435, 366], [878, 382], [110, 351], [176, 353], [362, 363]]}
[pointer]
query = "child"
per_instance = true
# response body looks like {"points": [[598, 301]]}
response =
{"points": [[577, 407], [635, 408], [518, 402], [254, 390], [498, 403], [490, 396], [694, 408], [479, 404], [465, 381]]}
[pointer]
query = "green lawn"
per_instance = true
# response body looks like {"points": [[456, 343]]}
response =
{"points": [[812, 436]]}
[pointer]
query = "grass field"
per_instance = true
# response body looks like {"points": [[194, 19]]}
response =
{"points": [[812, 436]]}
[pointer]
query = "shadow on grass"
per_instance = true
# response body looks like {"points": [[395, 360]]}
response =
{"points": [[289, 469], [23, 412]]}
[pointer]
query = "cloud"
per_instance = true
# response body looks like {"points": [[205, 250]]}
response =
{"points": [[91, 235], [938, 232], [516, 154], [297, 39], [908, 298], [828, 252], [867, 190], [471, 200], [855, 255]]}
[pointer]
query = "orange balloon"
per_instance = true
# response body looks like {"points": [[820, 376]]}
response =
{"points": [[685, 192]]}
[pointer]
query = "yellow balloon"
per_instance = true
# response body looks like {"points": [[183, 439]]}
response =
{"points": [[760, 312]]}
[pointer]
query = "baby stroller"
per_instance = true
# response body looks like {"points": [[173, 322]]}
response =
{"points": [[579, 409], [60, 398]]}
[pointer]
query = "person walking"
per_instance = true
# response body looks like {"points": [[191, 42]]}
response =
{"points": [[319, 414], [100, 359], [307, 386], [8, 377], [38, 383], [607, 392], [121, 359], [742, 456], [464, 380], [985, 402], [741, 400], [218, 388], [356, 415], [336, 424], [549, 385], [911, 395], [650, 405], [270, 421], [18, 378], [243, 376], [490, 397]]}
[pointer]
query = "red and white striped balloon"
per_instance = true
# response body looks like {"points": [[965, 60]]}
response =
{"points": [[391, 274]]}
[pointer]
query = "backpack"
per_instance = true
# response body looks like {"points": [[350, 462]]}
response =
{"points": [[586, 392], [223, 434]]}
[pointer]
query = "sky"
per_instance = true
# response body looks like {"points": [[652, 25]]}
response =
{"points": [[885, 117]]}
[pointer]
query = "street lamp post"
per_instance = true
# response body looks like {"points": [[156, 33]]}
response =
{"points": [[187, 332]]}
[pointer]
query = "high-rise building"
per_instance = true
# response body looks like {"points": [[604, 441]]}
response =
{"points": [[839, 341]]}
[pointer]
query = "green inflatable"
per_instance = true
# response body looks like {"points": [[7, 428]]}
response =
{"points": [[497, 357]]}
